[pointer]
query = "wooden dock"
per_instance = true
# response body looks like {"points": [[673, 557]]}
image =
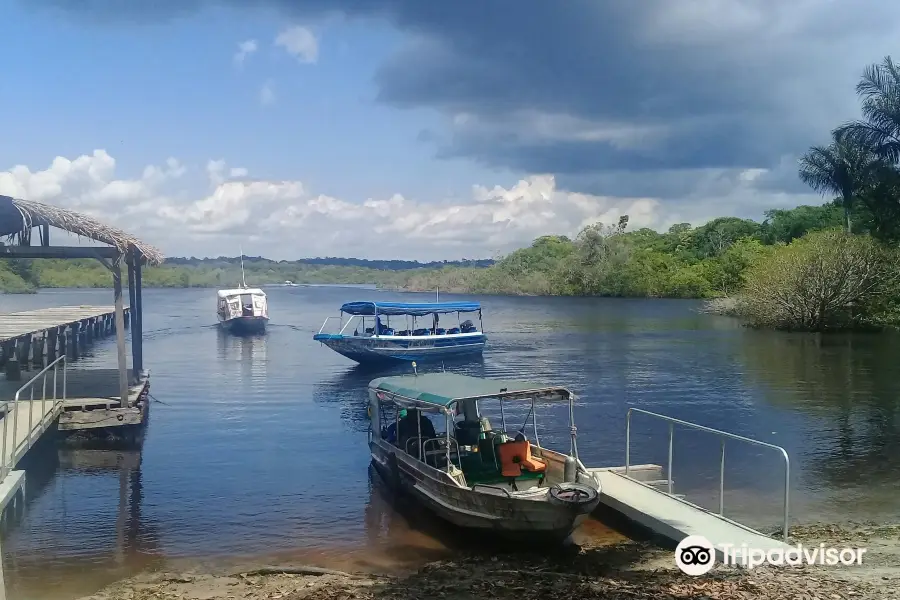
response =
{"points": [[36, 337], [75, 402]]}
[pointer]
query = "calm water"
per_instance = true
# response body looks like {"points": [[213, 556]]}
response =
{"points": [[257, 446]]}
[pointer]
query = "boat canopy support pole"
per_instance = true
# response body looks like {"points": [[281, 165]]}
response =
{"points": [[572, 428], [419, 426], [448, 421]]}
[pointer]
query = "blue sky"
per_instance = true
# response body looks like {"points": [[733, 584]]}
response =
{"points": [[421, 130]]}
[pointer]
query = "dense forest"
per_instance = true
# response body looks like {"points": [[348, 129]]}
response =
{"points": [[808, 267]]}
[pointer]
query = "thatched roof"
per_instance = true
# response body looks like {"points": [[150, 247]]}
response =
{"points": [[17, 217]]}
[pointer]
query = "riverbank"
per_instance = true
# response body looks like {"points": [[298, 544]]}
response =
{"points": [[628, 570]]}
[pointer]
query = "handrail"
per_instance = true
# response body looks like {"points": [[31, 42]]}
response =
{"points": [[325, 322], [8, 463], [491, 487], [723, 435]]}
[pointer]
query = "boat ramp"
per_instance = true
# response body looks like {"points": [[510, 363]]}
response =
{"points": [[644, 495]]}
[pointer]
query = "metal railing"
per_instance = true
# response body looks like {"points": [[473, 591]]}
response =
{"points": [[339, 319], [723, 435], [12, 448]]}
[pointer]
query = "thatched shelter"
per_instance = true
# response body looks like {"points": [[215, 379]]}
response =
{"points": [[18, 218]]}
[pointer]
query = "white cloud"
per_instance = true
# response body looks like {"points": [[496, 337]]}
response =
{"points": [[299, 42], [245, 49], [267, 94], [286, 220]]}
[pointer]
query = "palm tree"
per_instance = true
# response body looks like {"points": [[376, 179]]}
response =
{"points": [[842, 168], [879, 130]]}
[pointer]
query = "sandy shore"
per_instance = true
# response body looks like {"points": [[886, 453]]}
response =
{"points": [[629, 570]]}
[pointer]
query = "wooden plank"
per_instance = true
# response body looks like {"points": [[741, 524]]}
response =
{"points": [[59, 251], [13, 325], [94, 419]]}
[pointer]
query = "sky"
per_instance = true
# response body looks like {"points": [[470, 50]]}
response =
{"points": [[421, 130]]}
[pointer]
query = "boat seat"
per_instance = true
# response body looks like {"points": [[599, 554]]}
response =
{"points": [[420, 332], [440, 331], [404, 332], [516, 456], [452, 330]]}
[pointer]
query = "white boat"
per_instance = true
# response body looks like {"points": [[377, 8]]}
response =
{"points": [[475, 475], [243, 309]]}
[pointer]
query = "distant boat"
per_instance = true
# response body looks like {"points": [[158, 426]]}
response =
{"points": [[290, 284], [243, 309], [422, 338]]}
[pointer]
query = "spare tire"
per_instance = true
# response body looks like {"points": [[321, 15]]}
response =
{"points": [[573, 494]]}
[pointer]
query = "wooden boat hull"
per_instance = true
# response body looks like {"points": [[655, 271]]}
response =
{"points": [[393, 349], [245, 325], [530, 517]]}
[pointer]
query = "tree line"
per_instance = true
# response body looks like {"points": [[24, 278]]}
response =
{"points": [[809, 267]]}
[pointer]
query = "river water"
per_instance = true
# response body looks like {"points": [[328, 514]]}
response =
{"points": [[257, 446]]}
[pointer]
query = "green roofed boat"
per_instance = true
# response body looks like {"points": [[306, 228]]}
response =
{"points": [[428, 437]]}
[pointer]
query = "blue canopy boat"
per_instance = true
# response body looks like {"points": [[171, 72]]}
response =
{"points": [[400, 331]]}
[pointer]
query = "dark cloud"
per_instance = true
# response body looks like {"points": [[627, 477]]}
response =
{"points": [[728, 84]]}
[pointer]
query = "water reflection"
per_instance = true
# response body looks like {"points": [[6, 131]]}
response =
{"points": [[71, 541], [847, 385], [248, 351]]}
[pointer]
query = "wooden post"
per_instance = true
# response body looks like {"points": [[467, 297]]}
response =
{"points": [[37, 350], [120, 332], [137, 334], [76, 337], [131, 302], [52, 334]]}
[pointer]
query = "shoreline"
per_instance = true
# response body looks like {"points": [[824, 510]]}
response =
{"points": [[634, 570]]}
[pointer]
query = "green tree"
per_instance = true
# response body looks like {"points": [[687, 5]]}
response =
{"points": [[825, 280], [879, 129], [843, 168]]}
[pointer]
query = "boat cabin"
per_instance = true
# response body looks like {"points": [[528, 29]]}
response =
{"points": [[242, 302], [437, 419]]}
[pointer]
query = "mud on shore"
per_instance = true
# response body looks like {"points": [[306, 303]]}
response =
{"points": [[629, 570]]}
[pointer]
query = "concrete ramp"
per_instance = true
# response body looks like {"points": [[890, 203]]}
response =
{"points": [[673, 518]]}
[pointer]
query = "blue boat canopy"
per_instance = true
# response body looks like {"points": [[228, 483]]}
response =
{"points": [[368, 309]]}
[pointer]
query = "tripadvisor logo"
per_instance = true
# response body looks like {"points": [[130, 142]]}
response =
{"points": [[696, 555]]}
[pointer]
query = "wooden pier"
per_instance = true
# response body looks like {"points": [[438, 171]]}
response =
{"points": [[102, 404], [34, 338]]}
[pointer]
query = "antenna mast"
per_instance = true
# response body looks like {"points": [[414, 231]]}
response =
{"points": [[243, 281]]}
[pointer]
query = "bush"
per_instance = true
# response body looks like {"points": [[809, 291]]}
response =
{"points": [[825, 280]]}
